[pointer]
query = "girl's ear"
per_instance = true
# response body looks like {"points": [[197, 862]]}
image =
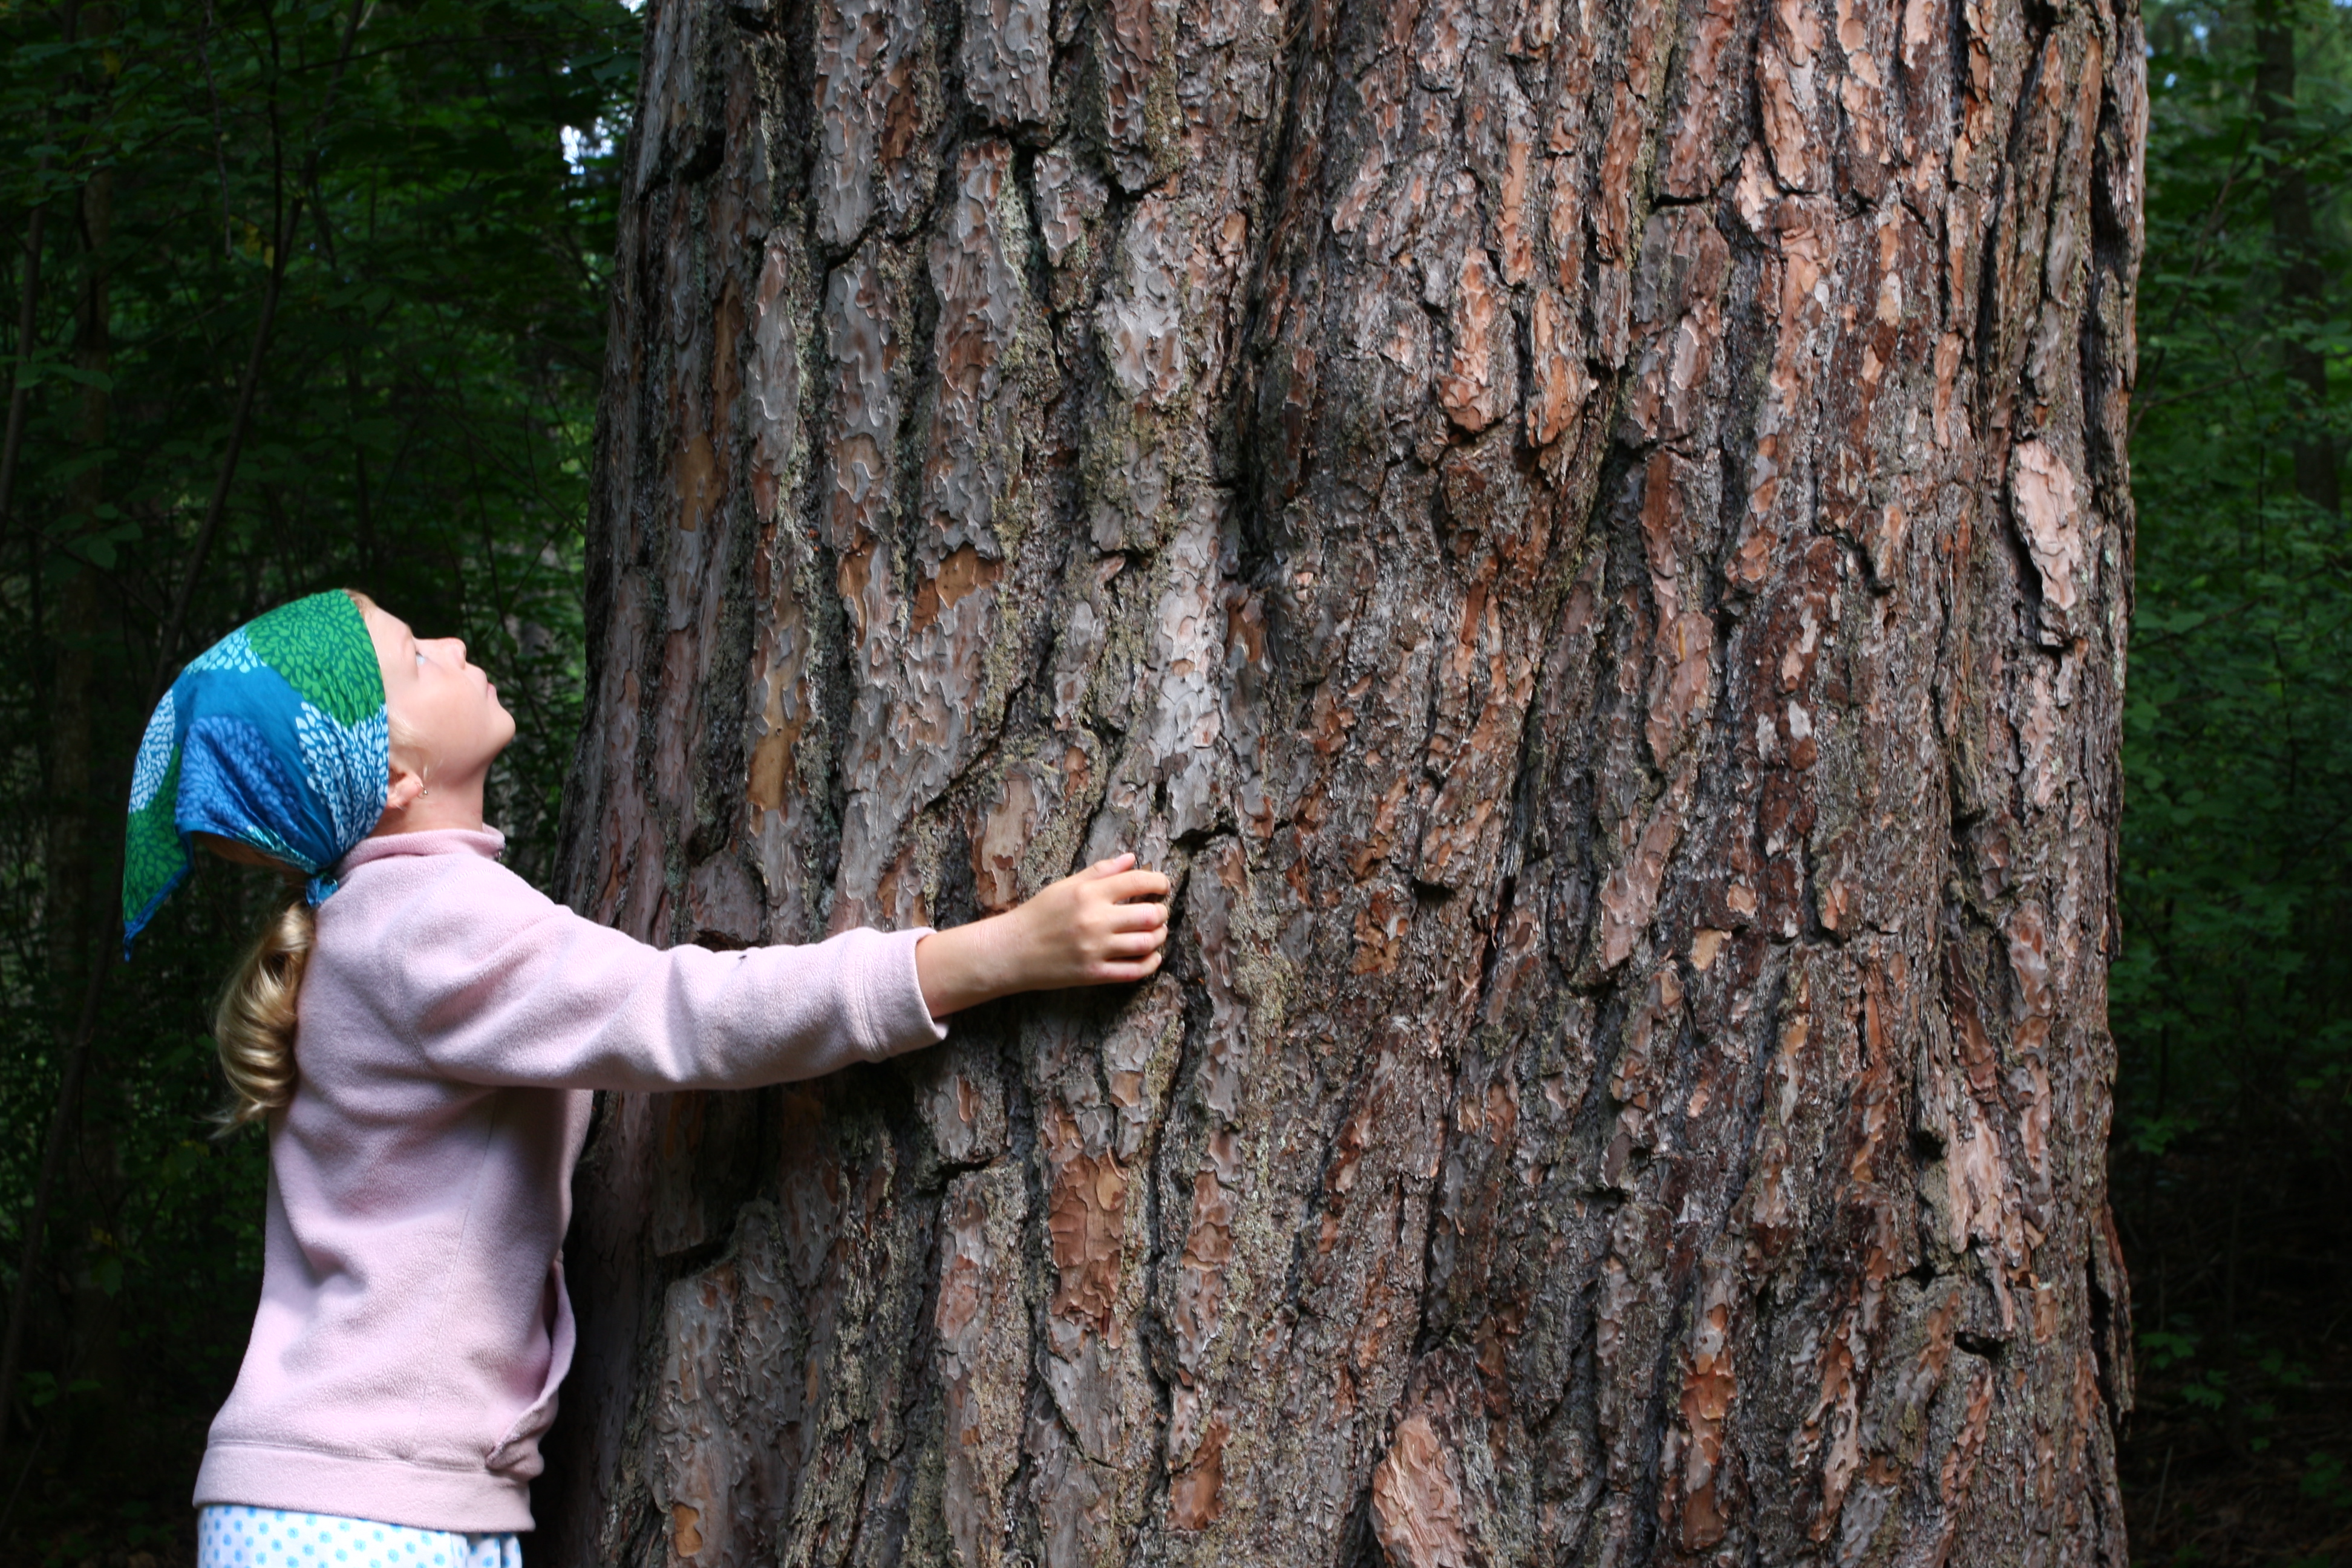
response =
{"points": [[405, 787]]}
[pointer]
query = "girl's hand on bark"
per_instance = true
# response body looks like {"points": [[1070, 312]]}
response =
{"points": [[1105, 925], [1095, 928]]}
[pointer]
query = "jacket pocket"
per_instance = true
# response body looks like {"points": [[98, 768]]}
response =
{"points": [[517, 1453]]}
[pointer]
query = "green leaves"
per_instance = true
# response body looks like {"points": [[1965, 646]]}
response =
{"points": [[42, 1388], [2160, 1349], [2239, 719], [2323, 1481]]}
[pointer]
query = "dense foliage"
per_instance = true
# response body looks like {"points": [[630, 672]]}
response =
{"points": [[414, 194], [2233, 1003], [393, 187]]}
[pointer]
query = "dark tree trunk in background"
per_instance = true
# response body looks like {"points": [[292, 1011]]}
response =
{"points": [[1592, 539], [81, 619], [2303, 281], [80, 819]]}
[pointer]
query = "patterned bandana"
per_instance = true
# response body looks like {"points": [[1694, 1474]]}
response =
{"points": [[277, 737]]}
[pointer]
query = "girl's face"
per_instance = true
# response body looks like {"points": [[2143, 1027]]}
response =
{"points": [[446, 721]]}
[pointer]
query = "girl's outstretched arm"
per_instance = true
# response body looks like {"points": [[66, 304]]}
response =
{"points": [[1099, 926], [492, 983]]}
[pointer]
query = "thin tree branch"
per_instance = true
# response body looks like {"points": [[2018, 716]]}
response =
{"points": [[220, 137], [2187, 394]]}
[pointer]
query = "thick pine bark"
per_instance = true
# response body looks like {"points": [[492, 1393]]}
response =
{"points": [[1595, 545]]}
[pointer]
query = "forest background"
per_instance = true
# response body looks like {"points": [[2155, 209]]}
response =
{"points": [[297, 296]]}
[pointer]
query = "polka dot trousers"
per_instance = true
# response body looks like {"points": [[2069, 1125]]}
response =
{"points": [[236, 1537]]}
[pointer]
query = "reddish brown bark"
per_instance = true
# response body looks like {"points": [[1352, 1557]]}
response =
{"points": [[1594, 543]]}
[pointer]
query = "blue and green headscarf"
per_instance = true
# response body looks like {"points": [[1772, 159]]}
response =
{"points": [[274, 737]]}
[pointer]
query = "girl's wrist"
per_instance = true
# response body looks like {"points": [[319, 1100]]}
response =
{"points": [[969, 964], [1010, 944]]}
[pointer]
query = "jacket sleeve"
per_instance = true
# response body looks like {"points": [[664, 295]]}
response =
{"points": [[513, 988]]}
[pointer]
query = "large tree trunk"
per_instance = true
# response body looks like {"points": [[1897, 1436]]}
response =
{"points": [[1595, 545]]}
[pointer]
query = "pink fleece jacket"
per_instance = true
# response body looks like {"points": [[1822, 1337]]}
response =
{"points": [[413, 1324]]}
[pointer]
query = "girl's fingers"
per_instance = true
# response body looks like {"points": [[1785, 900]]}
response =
{"points": [[1127, 885], [1128, 944], [1141, 968], [1137, 917]]}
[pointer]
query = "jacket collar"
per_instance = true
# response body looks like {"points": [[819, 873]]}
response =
{"points": [[487, 842]]}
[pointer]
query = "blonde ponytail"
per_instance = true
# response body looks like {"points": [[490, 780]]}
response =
{"points": [[254, 1022]]}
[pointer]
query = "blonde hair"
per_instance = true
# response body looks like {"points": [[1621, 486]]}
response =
{"points": [[253, 1020]]}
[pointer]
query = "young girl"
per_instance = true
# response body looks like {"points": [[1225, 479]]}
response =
{"points": [[421, 1029]]}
